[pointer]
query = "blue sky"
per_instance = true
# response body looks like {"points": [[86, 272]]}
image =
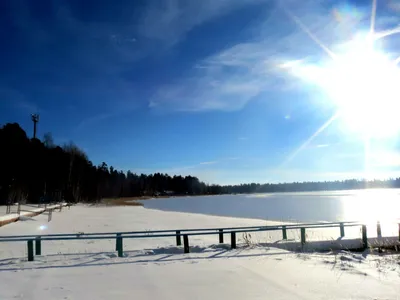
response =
{"points": [[188, 87]]}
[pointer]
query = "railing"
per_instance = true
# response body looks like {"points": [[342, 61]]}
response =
{"points": [[185, 233], [31, 210]]}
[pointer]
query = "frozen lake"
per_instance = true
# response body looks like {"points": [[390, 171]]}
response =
{"points": [[362, 205]]}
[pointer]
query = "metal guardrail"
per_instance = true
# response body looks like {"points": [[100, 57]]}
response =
{"points": [[185, 233], [288, 226]]}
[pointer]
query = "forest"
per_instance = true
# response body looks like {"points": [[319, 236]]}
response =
{"points": [[33, 170]]}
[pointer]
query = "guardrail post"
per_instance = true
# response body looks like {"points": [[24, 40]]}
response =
{"points": [[116, 242], [50, 215], [341, 230], [364, 236], [378, 229], [221, 236], [178, 238], [186, 243], [61, 207], [303, 235], [30, 250], [38, 246], [233, 240], [19, 208], [120, 246], [284, 233], [399, 231]]}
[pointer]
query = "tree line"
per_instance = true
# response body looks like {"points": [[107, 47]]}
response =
{"points": [[33, 170]]}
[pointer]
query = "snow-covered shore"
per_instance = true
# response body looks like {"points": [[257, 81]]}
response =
{"points": [[157, 269]]}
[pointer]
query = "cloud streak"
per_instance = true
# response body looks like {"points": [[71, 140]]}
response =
{"points": [[208, 163], [169, 21], [229, 79]]}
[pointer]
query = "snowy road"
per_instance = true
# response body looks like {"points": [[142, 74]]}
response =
{"points": [[156, 269]]}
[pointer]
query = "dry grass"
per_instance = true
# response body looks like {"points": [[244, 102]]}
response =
{"points": [[131, 201]]}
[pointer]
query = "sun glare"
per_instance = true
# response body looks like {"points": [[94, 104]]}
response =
{"points": [[358, 78], [362, 83], [364, 207]]}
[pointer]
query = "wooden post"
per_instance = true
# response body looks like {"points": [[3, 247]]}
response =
{"points": [[178, 238], [284, 233], [30, 250], [61, 207], [303, 235], [120, 246], [19, 208], [221, 236], [50, 215], [399, 231], [38, 246], [186, 243], [341, 230], [378, 229], [233, 240], [364, 236], [116, 242]]}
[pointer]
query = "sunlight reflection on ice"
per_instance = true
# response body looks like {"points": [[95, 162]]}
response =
{"points": [[372, 205]]}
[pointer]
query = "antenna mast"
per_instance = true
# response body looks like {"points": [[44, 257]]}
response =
{"points": [[35, 120]]}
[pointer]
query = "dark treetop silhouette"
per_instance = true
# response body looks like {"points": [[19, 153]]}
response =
{"points": [[32, 170]]}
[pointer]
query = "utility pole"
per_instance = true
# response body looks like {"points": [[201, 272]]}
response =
{"points": [[35, 120]]}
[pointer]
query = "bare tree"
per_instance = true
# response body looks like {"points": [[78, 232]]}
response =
{"points": [[48, 140], [75, 153]]}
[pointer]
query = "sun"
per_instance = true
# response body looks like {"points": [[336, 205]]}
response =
{"points": [[359, 79], [363, 84]]}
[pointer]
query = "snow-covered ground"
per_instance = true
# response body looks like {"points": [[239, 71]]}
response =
{"points": [[157, 269]]}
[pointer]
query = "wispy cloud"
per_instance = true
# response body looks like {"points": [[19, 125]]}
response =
{"points": [[229, 79], [95, 119], [169, 21], [233, 158], [322, 145], [208, 163], [220, 82]]}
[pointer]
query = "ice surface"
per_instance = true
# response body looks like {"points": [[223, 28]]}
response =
{"points": [[326, 206]]}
